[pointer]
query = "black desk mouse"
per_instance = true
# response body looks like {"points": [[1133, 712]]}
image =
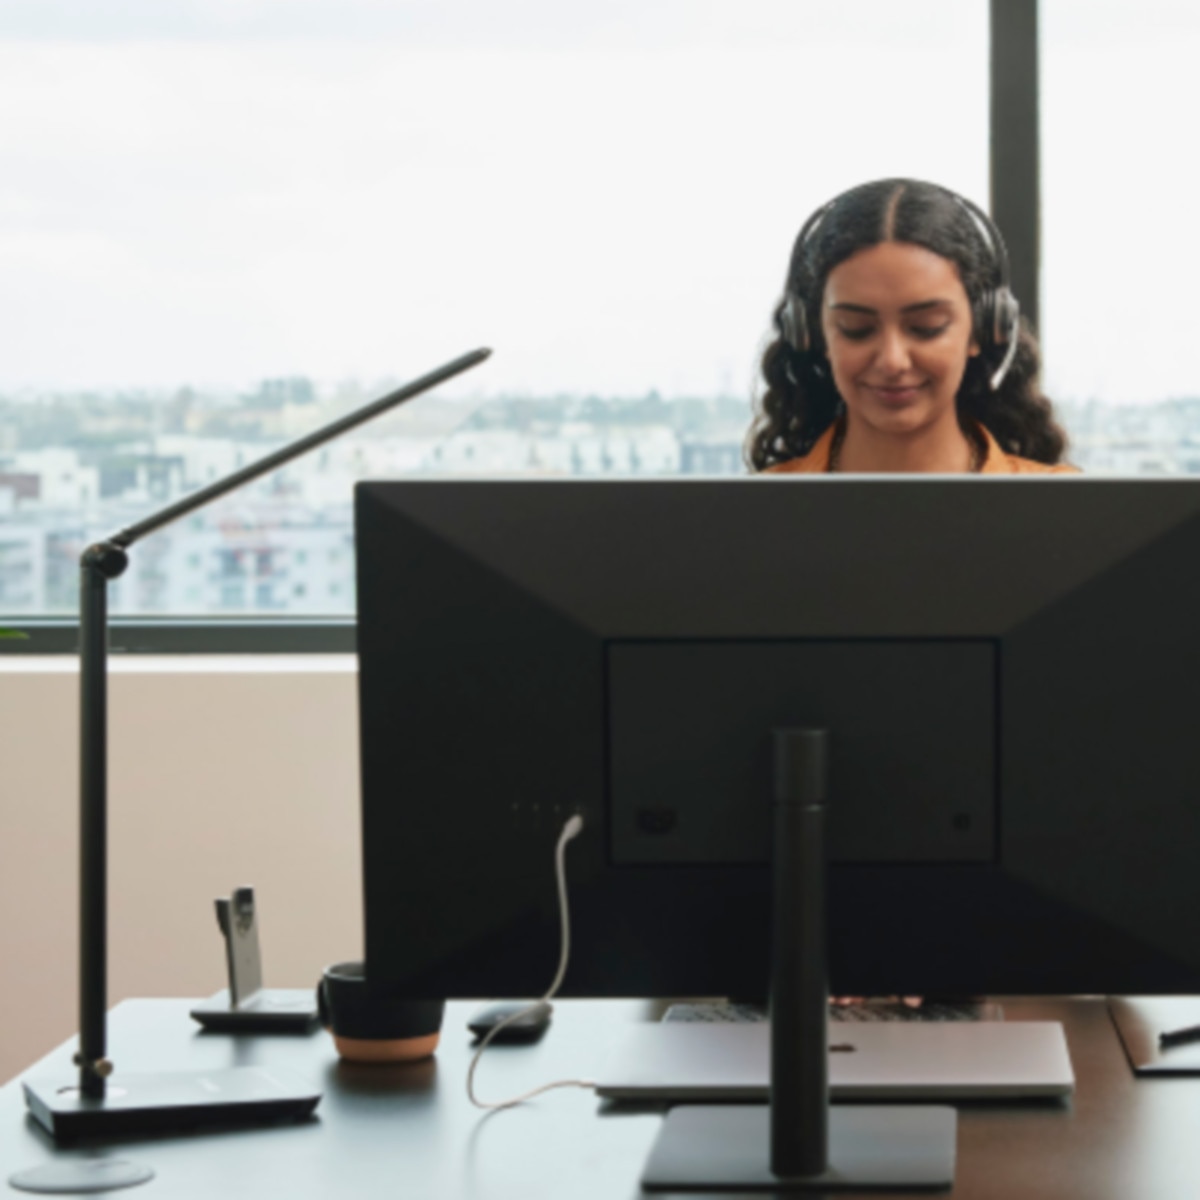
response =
{"points": [[526, 1028]]}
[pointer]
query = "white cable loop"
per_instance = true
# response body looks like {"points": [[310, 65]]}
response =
{"points": [[570, 829]]}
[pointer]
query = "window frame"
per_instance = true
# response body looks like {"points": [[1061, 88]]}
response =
{"points": [[190, 635]]}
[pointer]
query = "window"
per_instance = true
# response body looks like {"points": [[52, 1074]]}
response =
{"points": [[1121, 246], [225, 224]]}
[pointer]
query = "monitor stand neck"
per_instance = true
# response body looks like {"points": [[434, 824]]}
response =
{"points": [[799, 995], [797, 1142]]}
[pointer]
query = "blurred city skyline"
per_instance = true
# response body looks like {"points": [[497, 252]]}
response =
{"points": [[75, 467]]}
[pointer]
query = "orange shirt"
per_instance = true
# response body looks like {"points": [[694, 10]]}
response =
{"points": [[995, 462]]}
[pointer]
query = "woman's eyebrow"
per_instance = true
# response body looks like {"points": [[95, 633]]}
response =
{"points": [[845, 306]]}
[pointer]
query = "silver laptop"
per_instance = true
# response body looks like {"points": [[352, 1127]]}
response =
{"points": [[951, 1060]]}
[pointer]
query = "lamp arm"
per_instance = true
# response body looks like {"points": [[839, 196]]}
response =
{"points": [[285, 454]]}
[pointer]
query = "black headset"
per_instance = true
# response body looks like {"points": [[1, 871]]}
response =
{"points": [[996, 313]]}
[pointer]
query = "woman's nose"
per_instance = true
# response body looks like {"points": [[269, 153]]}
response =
{"points": [[893, 357]]}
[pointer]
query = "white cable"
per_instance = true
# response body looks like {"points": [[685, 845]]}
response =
{"points": [[570, 829]]}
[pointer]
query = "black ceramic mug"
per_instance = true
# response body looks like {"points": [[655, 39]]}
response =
{"points": [[368, 1026]]}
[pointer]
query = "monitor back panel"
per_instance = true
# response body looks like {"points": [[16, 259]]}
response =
{"points": [[1009, 670]]}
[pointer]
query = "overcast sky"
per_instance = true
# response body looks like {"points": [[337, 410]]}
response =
{"points": [[216, 191]]}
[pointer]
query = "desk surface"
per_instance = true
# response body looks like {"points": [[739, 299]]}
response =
{"points": [[410, 1131]]}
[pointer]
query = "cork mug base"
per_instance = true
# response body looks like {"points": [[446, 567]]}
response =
{"points": [[386, 1050]]}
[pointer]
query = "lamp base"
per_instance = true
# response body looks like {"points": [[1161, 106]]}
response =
{"points": [[728, 1148], [78, 1178], [169, 1102]]}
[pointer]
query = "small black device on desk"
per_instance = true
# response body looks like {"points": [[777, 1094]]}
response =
{"points": [[533, 1022]]}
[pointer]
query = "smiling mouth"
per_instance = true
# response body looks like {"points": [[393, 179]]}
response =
{"points": [[897, 395]]}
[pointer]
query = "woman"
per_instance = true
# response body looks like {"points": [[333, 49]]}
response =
{"points": [[899, 346]]}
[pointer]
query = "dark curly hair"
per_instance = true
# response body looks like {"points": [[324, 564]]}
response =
{"points": [[800, 400]]}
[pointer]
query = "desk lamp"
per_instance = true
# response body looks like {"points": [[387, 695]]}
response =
{"points": [[141, 1102]]}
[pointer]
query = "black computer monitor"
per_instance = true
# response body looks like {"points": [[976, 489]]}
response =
{"points": [[1009, 670]]}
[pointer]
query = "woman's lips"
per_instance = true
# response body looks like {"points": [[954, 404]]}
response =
{"points": [[897, 395]]}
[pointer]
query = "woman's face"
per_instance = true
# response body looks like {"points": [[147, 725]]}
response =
{"points": [[898, 330]]}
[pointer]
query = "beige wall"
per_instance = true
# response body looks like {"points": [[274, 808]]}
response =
{"points": [[223, 771]]}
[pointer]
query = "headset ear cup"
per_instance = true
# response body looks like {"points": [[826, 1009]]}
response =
{"points": [[1007, 316], [996, 317], [986, 327]]}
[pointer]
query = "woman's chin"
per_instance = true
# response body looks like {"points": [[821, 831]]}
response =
{"points": [[899, 421]]}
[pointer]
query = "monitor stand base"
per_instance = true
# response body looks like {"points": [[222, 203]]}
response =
{"points": [[727, 1147]]}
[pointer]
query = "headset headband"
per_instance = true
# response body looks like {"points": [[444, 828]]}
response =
{"points": [[996, 314]]}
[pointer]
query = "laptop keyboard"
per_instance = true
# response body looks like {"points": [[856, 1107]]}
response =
{"points": [[724, 1012]]}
